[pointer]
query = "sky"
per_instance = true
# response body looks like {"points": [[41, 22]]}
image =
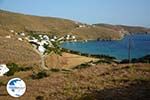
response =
{"points": [[125, 12]]}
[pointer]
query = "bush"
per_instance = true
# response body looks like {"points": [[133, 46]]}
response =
{"points": [[102, 61], [25, 68], [124, 61], [12, 69], [145, 59], [39, 98], [55, 70], [39, 75], [85, 65], [15, 68], [1, 83]]}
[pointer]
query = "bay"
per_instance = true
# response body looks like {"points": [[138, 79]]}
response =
{"points": [[139, 46]]}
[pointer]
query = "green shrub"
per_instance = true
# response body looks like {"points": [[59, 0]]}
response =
{"points": [[39, 98], [102, 61], [85, 65], [25, 68], [87, 97], [1, 83], [39, 75], [55, 70], [15, 68], [144, 59], [12, 69], [34, 35]]}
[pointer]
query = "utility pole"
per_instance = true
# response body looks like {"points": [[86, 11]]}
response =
{"points": [[129, 50]]}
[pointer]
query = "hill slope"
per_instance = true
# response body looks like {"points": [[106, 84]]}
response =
{"points": [[51, 25], [125, 29]]}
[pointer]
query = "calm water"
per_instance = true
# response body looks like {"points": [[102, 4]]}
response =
{"points": [[140, 46]]}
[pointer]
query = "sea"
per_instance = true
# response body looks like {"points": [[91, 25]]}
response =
{"points": [[137, 45]]}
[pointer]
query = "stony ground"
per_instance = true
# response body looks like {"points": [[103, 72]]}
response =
{"points": [[97, 82]]}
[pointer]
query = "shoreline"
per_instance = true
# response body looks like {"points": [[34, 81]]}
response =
{"points": [[122, 37], [100, 55]]}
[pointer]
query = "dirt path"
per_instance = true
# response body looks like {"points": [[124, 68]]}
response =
{"points": [[42, 60]]}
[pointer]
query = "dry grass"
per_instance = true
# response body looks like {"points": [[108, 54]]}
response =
{"points": [[20, 22], [14, 51], [96, 32], [67, 60], [50, 25], [89, 83], [127, 29]]}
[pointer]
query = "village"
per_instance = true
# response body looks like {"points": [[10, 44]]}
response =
{"points": [[40, 43]]}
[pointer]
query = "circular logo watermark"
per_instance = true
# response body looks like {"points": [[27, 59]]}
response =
{"points": [[16, 87]]}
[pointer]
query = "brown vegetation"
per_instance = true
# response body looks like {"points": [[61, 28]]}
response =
{"points": [[53, 26], [14, 51], [99, 82]]}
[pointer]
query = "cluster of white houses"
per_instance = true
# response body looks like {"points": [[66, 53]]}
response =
{"points": [[40, 40]]}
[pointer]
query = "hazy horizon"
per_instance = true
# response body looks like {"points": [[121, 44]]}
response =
{"points": [[121, 12]]}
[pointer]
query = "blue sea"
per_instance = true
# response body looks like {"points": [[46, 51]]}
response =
{"points": [[139, 46]]}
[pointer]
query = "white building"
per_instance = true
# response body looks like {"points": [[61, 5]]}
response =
{"points": [[8, 37], [53, 40], [3, 69], [12, 31], [73, 37], [22, 33], [20, 39], [45, 37], [41, 49]]}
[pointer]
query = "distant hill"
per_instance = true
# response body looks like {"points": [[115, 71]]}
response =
{"points": [[126, 29], [54, 26], [135, 29], [21, 22]]}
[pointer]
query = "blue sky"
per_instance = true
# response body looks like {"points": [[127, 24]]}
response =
{"points": [[127, 12]]}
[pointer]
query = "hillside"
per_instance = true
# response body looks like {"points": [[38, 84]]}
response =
{"points": [[54, 26], [126, 29], [21, 22]]}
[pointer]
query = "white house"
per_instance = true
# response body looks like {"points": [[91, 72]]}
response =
{"points": [[12, 31], [8, 36], [55, 37], [3, 69], [81, 26], [20, 39], [61, 38], [22, 33], [73, 37], [43, 42], [41, 49], [68, 37], [45, 37], [53, 40]]}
